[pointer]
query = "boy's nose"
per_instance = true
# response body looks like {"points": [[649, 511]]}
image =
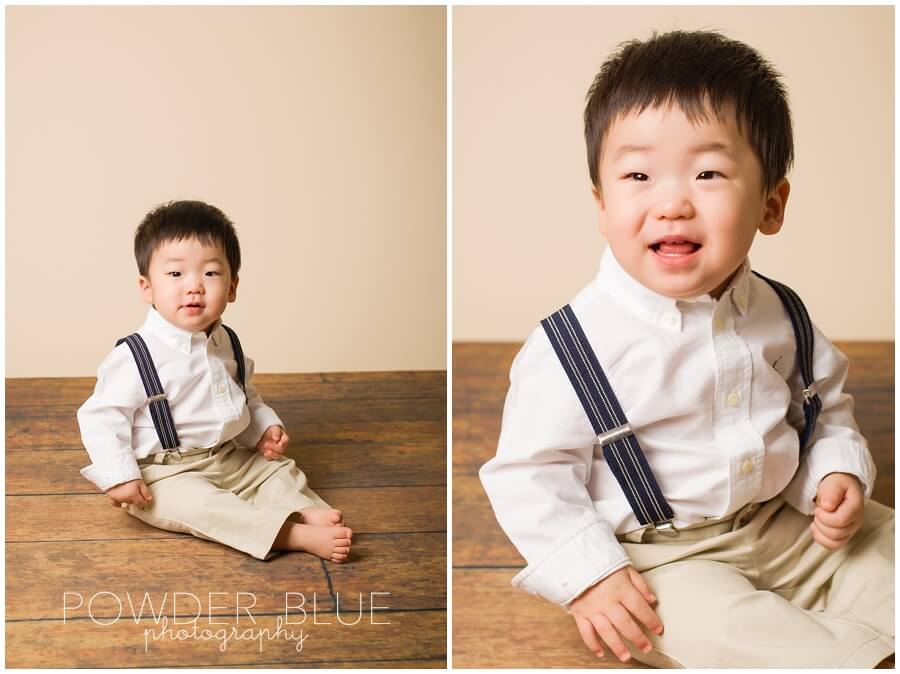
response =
{"points": [[674, 202]]}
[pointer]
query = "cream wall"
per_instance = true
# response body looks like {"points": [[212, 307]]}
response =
{"points": [[320, 131], [524, 231]]}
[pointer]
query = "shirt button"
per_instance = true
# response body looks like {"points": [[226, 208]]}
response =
{"points": [[671, 319], [720, 323], [747, 467], [220, 388], [733, 398]]}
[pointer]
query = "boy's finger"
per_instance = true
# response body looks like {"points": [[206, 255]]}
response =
{"points": [[830, 496], [610, 637], [646, 615], [641, 584], [824, 541], [624, 623], [834, 533], [145, 491], [589, 636], [832, 519]]}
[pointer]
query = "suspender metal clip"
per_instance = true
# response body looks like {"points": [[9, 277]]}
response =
{"points": [[666, 528], [611, 436], [174, 453], [809, 392], [153, 399]]}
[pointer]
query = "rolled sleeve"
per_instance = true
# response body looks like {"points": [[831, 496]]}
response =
{"points": [[112, 471], [578, 560]]}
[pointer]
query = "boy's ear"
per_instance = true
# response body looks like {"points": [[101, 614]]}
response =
{"points": [[232, 289], [146, 290], [773, 217], [601, 208]]}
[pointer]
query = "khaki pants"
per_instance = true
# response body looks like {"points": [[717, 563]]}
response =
{"points": [[755, 590], [230, 494]]}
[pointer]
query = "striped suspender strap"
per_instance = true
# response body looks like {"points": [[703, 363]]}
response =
{"points": [[238, 356], [620, 446], [159, 405], [803, 333]]}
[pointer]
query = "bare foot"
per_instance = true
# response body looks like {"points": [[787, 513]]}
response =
{"points": [[331, 543], [322, 517]]}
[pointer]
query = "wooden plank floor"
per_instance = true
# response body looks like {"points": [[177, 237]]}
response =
{"points": [[372, 444], [495, 625]]}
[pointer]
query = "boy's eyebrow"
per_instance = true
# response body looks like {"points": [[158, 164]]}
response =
{"points": [[181, 259], [713, 146]]}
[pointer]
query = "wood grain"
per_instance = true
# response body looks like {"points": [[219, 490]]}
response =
{"points": [[90, 516], [372, 444]]}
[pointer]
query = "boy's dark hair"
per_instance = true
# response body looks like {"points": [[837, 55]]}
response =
{"points": [[177, 220], [696, 71]]}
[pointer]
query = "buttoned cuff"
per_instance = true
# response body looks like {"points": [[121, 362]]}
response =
{"points": [[580, 559], [109, 473], [829, 456]]}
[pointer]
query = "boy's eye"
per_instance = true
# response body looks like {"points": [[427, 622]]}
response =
{"points": [[213, 273], [708, 175], [173, 273], [639, 177]]}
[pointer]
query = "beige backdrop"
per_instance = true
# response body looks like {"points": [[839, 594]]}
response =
{"points": [[320, 131], [524, 225]]}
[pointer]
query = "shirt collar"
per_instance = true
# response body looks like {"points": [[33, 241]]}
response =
{"points": [[176, 337], [660, 309]]}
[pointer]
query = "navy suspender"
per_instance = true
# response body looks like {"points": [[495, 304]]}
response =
{"points": [[803, 333], [238, 355], [619, 444], [159, 404]]}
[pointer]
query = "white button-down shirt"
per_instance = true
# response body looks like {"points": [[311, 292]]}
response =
{"points": [[712, 393], [198, 375]]}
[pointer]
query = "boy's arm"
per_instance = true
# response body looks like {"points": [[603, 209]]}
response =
{"points": [[537, 482], [106, 419], [836, 445], [261, 415]]}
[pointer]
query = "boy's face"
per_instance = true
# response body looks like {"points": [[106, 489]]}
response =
{"points": [[189, 283], [680, 203]]}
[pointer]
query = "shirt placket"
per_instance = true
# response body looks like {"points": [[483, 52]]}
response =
{"points": [[221, 391], [731, 408]]}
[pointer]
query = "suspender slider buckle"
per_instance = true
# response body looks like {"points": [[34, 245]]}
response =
{"points": [[611, 436], [666, 528], [153, 399], [810, 392]]}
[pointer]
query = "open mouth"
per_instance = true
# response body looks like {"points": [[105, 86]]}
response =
{"points": [[675, 246], [192, 305]]}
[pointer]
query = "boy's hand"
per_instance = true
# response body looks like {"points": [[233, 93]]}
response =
{"points": [[273, 443], [615, 606], [839, 510], [133, 491]]}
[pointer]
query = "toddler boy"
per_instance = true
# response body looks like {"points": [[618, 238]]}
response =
{"points": [[692, 478], [174, 409]]}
